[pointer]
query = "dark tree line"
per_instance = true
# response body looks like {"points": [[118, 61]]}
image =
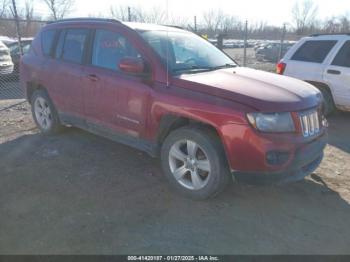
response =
{"points": [[304, 20]]}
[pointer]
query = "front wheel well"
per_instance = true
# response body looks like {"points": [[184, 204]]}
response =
{"points": [[31, 88], [170, 123]]}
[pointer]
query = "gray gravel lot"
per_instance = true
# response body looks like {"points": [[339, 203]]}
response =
{"points": [[76, 193]]}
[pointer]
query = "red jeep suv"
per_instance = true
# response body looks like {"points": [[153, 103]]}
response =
{"points": [[172, 94]]}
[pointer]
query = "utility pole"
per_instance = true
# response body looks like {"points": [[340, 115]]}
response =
{"points": [[245, 43], [195, 24], [129, 14], [15, 14], [284, 30]]}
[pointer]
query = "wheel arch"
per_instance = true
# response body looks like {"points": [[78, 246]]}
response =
{"points": [[31, 87], [171, 122], [320, 85]]}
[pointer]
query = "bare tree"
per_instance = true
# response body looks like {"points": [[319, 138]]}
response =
{"points": [[155, 15], [4, 8], [304, 15], [28, 10], [213, 20], [59, 8], [119, 12], [331, 25], [345, 23]]}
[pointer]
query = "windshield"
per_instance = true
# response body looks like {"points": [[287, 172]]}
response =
{"points": [[187, 52]]}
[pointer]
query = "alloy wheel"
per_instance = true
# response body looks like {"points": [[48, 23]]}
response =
{"points": [[43, 113], [189, 164]]}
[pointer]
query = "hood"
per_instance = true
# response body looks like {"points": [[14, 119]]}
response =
{"points": [[258, 89]]}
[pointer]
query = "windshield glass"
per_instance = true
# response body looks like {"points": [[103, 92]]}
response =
{"points": [[187, 52]]}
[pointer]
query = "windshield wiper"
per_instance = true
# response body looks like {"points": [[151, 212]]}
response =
{"points": [[194, 69], [223, 66]]}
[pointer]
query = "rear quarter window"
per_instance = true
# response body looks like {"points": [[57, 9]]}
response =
{"points": [[314, 51], [47, 39]]}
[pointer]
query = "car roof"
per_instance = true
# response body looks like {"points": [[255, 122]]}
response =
{"points": [[151, 27], [328, 36], [132, 25]]}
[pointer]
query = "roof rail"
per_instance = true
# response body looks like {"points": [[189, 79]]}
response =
{"points": [[175, 26], [85, 19], [313, 35]]}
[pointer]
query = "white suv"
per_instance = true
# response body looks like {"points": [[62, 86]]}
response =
{"points": [[323, 61]]}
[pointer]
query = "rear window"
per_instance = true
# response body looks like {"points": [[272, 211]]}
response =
{"points": [[314, 51], [47, 39], [343, 56]]}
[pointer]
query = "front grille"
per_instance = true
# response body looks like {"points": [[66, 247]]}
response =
{"points": [[310, 124]]}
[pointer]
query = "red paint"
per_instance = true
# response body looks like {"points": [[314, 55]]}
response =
{"points": [[135, 106]]}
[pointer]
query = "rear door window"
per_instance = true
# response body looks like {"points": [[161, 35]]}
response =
{"points": [[109, 48], [74, 45], [314, 51], [47, 39], [343, 56]]}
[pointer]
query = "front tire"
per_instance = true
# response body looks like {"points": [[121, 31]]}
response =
{"points": [[44, 113], [194, 162]]}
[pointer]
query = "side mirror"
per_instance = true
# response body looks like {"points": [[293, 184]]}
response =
{"points": [[132, 65]]}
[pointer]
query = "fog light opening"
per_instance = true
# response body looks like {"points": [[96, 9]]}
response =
{"points": [[277, 157]]}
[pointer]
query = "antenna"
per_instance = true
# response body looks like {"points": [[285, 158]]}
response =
{"points": [[167, 44]]}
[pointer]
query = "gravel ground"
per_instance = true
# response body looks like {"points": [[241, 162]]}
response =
{"points": [[76, 193]]}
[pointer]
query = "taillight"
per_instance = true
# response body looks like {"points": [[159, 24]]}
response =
{"points": [[280, 68]]}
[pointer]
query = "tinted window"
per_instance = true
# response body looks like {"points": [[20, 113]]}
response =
{"points": [[59, 47], [74, 44], [313, 51], [109, 48], [343, 56], [47, 39]]}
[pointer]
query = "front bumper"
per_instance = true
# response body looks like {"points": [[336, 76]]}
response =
{"points": [[306, 160]]}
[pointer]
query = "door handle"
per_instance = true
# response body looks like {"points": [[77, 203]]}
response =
{"points": [[93, 77], [333, 72]]}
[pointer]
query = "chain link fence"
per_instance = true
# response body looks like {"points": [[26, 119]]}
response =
{"points": [[11, 51], [262, 54]]}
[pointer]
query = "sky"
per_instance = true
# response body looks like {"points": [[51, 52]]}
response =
{"points": [[274, 12]]}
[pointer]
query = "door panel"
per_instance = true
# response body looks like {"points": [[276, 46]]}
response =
{"points": [[69, 86], [100, 96], [68, 71], [337, 76], [113, 98]]}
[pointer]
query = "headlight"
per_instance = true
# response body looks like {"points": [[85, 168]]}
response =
{"points": [[272, 122]]}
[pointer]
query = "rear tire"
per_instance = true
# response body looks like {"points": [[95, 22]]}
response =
{"points": [[194, 162], [44, 113]]}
